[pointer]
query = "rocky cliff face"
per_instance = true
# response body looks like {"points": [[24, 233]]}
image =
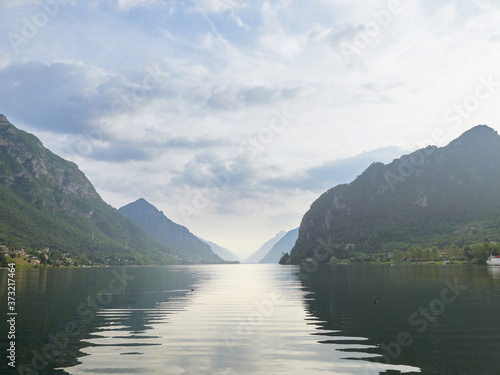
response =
{"points": [[29, 168], [411, 200], [46, 201]]}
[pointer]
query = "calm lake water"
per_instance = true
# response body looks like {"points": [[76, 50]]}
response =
{"points": [[256, 319]]}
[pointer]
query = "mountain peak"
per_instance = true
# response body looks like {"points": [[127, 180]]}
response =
{"points": [[168, 233], [432, 194], [142, 202], [479, 133], [481, 138], [264, 249], [46, 201], [481, 129], [5, 124]]}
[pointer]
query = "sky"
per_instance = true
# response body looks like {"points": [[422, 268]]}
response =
{"points": [[232, 117]]}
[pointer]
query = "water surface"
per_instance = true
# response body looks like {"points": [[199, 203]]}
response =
{"points": [[257, 319]]}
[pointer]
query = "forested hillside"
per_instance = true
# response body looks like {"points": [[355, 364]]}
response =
{"points": [[431, 197], [46, 201]]}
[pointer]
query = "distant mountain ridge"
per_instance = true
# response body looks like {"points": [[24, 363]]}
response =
{"points": [[284, 245], [222, 252], [46, 201], [264, 249], [170, 234], [423, 198]]}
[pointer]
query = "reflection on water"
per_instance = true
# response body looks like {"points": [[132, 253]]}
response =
{"points": [[494, 272], [257, 319], [442, 319], [244, 319]]}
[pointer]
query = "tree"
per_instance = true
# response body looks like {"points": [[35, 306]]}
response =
{"points": [[333, 260], [435, 255], [479, 253], [419, 253], [427, 253], [410, 253], [454, 252], [468, 252], [3, 260], [495, 249], [285, 259], [397, 256]]}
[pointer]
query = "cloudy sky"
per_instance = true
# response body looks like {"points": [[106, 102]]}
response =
{"points": [[234, 116]]}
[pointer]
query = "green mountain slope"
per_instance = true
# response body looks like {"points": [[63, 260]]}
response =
{"points": [[432, 197], [168, 233], [46, 201]]}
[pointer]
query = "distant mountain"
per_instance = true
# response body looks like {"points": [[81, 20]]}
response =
{"points": [[46, 201], [284, 245], [431, 197], [264, 249], [168, 233], [222, 252]]}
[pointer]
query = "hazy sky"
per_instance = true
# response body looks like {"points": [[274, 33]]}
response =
{"points": [[234, 116]]}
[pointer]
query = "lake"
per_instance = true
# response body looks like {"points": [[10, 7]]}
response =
{"points": [[256, 319]]}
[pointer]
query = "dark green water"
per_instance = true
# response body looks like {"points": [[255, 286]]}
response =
{"points": [[255, 319]]}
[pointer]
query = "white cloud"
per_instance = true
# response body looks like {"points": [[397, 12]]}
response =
{"points": [[218, 6], [7, 4], [127, 5], [227, 67], [238, 20]]}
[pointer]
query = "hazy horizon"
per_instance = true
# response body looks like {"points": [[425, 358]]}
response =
{"points": [[233, 117]]}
